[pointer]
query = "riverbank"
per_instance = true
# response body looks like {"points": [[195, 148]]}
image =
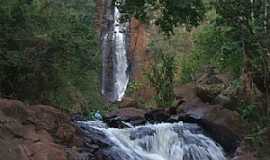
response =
{"points": [[44, 133]]}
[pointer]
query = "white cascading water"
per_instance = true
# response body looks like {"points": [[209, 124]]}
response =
{"points": [[164, 141], [115, 76], [121, 62]]}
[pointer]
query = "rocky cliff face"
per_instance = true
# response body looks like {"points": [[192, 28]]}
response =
{"points": [[34, 132], [99, 14], [140, 57]]}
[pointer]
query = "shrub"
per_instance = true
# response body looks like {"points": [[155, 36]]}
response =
{"points": [[162, 78]]}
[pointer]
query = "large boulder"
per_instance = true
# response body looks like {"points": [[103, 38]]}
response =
{"points": [[42, 151], [211, 84], [225, 126], [14, 109], [209, 92], [34, 132], [157, 115], [92, 136], [185, 93], [128, 102], [132, 115], [54, 121], [46, 117]]}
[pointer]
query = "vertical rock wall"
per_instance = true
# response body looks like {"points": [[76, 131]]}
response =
{"points": [[140, 57], [106, 38], [99, 15]]}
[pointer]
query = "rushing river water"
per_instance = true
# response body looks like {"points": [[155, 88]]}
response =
{"points": [[164, 141]]}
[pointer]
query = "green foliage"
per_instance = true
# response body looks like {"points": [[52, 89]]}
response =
{"points": [[254, 115], [167, 14], [255, 139], [133, 87], [220, 48], [49, 53], [162, 78], [250, 24], [213, 45], [257, 121], [249, 112]]}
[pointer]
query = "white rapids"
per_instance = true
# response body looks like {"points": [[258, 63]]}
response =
{"points": [[164, 141]]}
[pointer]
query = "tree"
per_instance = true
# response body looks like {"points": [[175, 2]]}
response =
{"points": [[49, 53], [167, 14], [249, 20]]}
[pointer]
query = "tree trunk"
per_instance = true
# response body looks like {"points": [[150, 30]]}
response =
{"points": [[247, 74]]}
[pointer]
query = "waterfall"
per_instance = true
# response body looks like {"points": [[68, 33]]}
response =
{"points": [[164, 141], [114, 50]]}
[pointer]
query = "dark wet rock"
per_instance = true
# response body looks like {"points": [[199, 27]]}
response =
{"points": [[112, 153], [171, 110], [225, 126], [196, 155], [77, 117], [157, 115], [94, 136], [193, 128], [141, 132], [132, 115]]}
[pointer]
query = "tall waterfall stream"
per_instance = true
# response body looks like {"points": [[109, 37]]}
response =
{"points": [[115, 75], [164, 141]]}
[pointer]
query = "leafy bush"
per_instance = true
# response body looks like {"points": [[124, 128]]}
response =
{"points": [[258, 124], [162, 78], [189, 66], [133, 87], [249, 112]]}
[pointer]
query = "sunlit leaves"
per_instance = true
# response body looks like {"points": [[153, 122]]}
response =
{"points": [[167, 14]]}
